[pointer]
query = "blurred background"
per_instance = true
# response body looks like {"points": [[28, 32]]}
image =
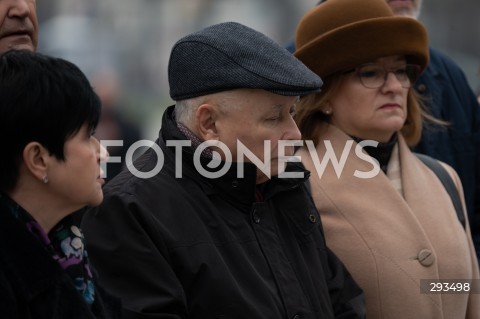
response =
{"points": [[123, 45]]}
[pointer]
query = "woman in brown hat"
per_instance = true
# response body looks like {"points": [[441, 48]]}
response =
{"points": [[385, 214]]}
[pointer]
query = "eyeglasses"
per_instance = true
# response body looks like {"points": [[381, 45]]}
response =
{"points": [[374, 75]]}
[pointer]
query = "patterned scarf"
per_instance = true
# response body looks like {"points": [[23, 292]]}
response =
{"points": [[65, 243]]}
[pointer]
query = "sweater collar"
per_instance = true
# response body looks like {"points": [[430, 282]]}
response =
{"points": [[382, 152]]}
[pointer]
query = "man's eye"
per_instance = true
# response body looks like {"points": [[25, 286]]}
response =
{"points": [[275, 118]]}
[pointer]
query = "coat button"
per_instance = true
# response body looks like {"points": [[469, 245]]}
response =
{"points": [[312, 218], [235, 183], [421, 88], [296, 317], [255, 217], [426, 257]]}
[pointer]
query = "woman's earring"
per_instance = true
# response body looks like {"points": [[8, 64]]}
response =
{"points": [[327, 111], [45, 179]]}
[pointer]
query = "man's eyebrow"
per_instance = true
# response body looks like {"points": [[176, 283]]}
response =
{"points": [[280, 106]]}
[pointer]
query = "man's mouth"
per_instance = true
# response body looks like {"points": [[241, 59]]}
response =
{"points": [[19, 33]]}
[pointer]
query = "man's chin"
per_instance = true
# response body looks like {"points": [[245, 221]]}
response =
{"points": [[29, 46], [24, 46]]}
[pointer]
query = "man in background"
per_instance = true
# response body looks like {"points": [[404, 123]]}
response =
{"points": [[18, 25]]}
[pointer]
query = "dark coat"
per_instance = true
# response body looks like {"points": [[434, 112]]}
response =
{"points": [[194, 247], [34, 286], [449, 97]]}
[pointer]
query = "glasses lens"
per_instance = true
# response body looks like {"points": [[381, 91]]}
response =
{"points": [[402, 76], [413, 72], [372, 75], [407, 75]]}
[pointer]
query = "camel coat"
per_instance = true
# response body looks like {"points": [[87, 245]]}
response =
{"points": [[389, 242]]}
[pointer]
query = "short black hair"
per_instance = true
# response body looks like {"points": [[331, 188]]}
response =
{"points": [[43, 99]]}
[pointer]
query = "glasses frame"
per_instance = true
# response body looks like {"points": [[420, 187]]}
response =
{"points": [[412, 75]]}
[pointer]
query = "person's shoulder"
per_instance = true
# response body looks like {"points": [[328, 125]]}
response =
{"points": [[453, 173], [439, 59], [141, 174]]}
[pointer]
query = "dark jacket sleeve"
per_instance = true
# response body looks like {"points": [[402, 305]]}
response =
{"points": [[347, 297], [126, 249]]}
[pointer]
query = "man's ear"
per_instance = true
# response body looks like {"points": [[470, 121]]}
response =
{"points": [[205, 121], [36, 158]]}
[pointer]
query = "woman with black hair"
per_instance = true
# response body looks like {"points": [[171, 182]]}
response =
{"points": [[50, 168]]}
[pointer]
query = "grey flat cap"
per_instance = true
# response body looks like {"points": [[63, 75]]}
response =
{"points": [[229, 56]]}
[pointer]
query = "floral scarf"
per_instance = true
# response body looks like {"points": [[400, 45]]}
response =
{"points": [[65, 243]]}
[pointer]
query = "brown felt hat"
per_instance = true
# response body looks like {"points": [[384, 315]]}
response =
{"points": [[339, 35]]}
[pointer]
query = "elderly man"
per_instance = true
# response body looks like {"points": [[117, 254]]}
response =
{"points": [[212, 222], [18, 25]]}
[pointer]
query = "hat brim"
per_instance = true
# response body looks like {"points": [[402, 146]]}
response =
{"points": [[362, 42]]}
